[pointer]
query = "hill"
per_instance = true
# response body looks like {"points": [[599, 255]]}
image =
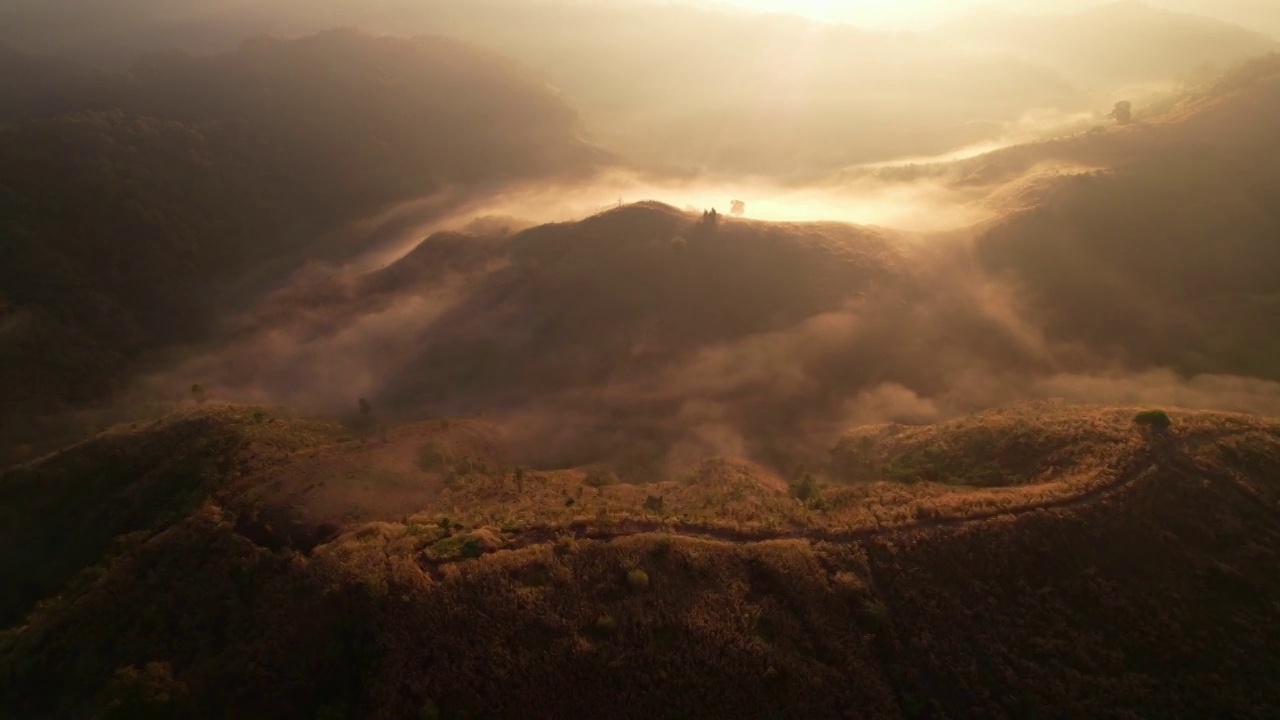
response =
{"points": [[1116, 43], [132, 216], [1171, 240], [643, 336], [668, 85], [1105, 571]]}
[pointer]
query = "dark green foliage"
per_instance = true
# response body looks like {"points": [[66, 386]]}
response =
{"points": [[874, 612], [637, 580], [606, 625], [805, 488], [932, 464], [926, 464], [1157, 421]]}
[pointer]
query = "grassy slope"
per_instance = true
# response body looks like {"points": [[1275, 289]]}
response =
{"points": [[1143, 588], [137, 208], [1167, 257]]}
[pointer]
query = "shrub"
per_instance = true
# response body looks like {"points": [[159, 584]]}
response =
{"points": [[1155, 420], [926, 464], [605, 624], [806, 490], [875, 612], [458, 547], [566, 545], [637, 580]]}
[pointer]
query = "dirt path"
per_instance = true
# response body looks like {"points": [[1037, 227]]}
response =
{"points": [[1149, 461]]}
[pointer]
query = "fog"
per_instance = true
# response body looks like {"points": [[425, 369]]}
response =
{"points": [[936, 336], [593, 312], [707, 88], [924, 14]]}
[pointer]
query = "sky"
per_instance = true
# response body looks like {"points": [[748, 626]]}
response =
{"points": [[901, 14], [1259, 15]]}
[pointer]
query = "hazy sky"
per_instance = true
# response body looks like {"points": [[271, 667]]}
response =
{"points": [[901, 13], [1259, 15]]}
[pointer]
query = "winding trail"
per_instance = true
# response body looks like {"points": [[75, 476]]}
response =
{"points": [[1156, 456]]}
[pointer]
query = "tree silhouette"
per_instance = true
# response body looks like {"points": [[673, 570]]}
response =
{"points": [[737, 207]]}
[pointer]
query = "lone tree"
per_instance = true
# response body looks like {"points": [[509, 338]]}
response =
{"points": [[737, 207], [198, 393], [1154, 421], [1122, 112], [366, 408]]}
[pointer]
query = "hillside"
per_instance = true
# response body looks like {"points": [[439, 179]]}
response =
{"points": [[133, 215], [644, 336], [668, 85], [1171, 240], [1104, 570], [1117, 43]]}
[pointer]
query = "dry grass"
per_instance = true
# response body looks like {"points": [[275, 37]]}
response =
{"points": [[1069, 608]]}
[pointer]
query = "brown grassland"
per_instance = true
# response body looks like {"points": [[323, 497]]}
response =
{"points": [[1047, 561]]}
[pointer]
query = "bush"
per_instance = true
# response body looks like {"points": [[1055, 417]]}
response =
{"points": [[1155, 420], [637, 580], [926, 464], [875, 612], [566, 545], [806, 490]]}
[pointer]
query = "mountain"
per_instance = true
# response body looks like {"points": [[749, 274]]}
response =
{"points": [[1168, 254], [997, 556], [641, 336], [1259, 15], [1117, 43], [762, 340], [668, 85], [130, 209]]}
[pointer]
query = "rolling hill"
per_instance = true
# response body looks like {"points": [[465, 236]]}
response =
{"points": [[1149, 250], [1119, 43], [1173, 240], [1108, 570], [134, 213], [670, 86], [642, 336]]}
